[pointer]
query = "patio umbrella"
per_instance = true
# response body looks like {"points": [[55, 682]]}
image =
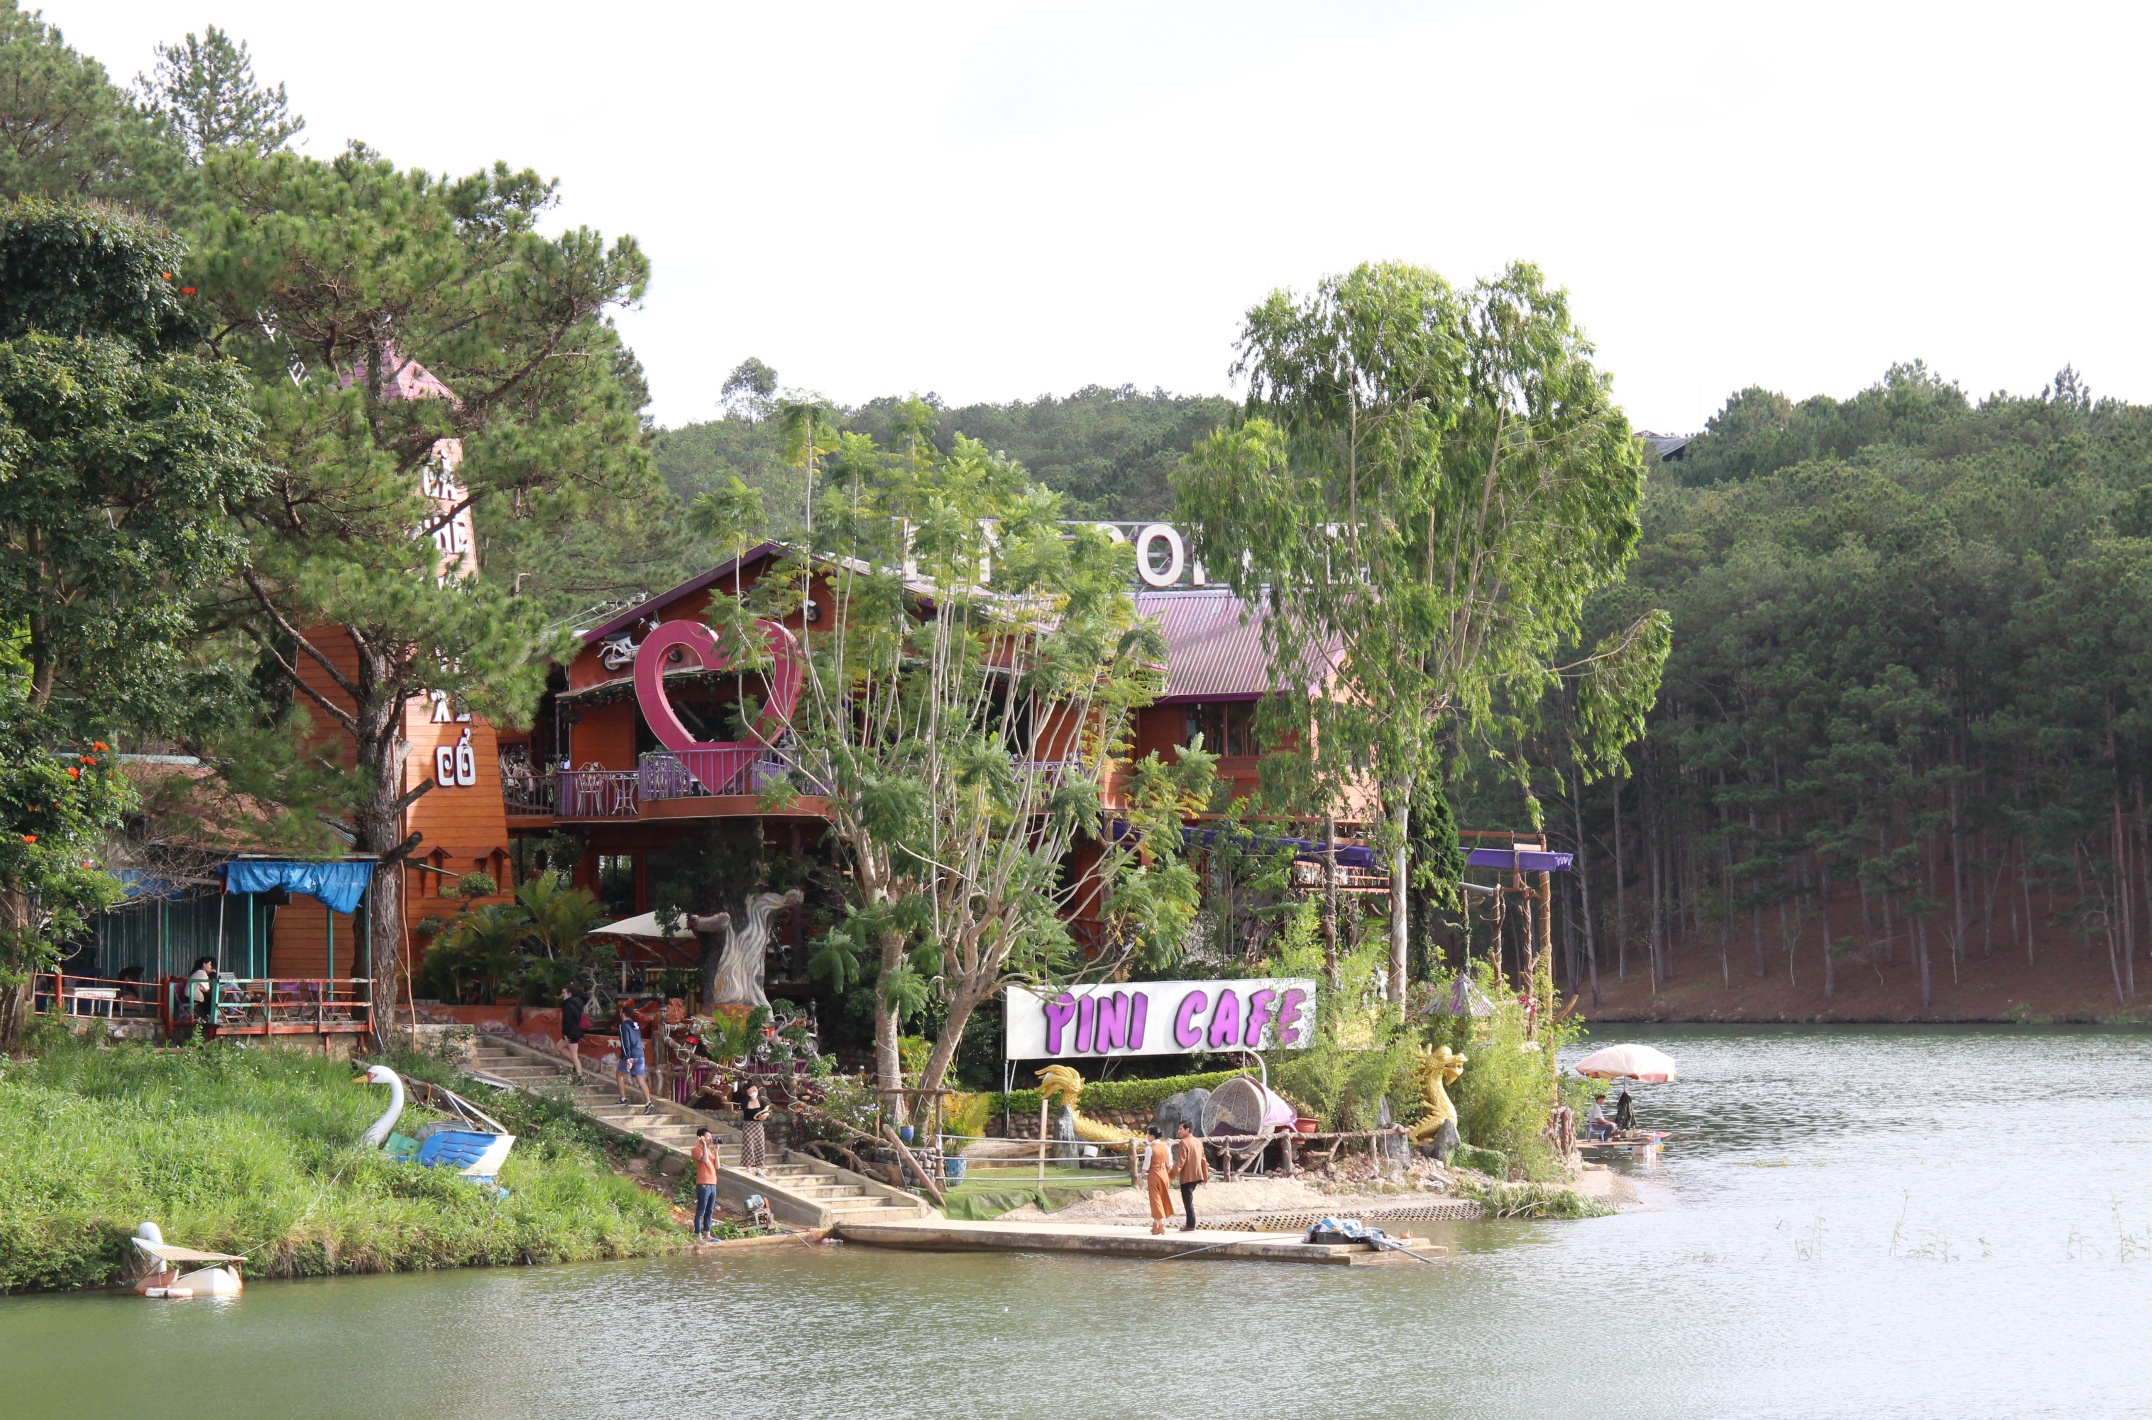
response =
{"points": [[1629, 1062], [644, 926]]}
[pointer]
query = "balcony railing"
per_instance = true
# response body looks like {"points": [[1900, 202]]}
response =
{"points": [[528, 795], [244, 1005], [597, 792]]}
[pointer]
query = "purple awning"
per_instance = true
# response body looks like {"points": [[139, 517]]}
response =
{"points": [[1529, 860]]}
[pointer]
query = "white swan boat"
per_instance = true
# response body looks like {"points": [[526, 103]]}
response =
{"points": [[206, 1274], [476, 1154]]}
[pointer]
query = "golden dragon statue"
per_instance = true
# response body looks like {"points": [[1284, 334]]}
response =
{"points": [[1062, 1085], [1438, 1067]]}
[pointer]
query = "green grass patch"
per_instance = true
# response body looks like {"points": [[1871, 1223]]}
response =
{"points": [[254, 1151]]}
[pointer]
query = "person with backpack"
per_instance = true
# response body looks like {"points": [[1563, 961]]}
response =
{"points": [[631, 1064], [574, 1021]]}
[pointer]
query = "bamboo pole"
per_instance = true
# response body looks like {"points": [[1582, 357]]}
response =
{"points": [[913, 1162]]}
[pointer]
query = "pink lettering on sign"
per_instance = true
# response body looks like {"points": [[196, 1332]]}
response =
{"points": [[1225, 1022], [1259, 1015], [1136, 1011], [1112, 1024], [1058, 1012], [1086, 1017], [1186, 1033], [1289, 1022]]}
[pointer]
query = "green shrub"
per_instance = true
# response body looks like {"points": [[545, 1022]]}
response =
{"points": [[1530, 1200], [1491, 1162], [1509, 1084], [1361, 1055], [1101, 1095], [965, 1115]]}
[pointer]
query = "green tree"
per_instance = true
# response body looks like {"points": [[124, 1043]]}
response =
{"points": [[1425, 489], [966, 712], [67, 131], [204, 90], [59, 810], [336, 285], [749, 392], [121, 449]]}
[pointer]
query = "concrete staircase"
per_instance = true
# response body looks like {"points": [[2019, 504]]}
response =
{"points": [[802, 1190]]}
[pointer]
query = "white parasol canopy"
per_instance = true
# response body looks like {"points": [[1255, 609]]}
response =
{"points": [[644, 926], [1629, 1062]]}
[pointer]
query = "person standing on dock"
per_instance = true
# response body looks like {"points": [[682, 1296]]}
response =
{"points": [[706, 1158], [1194, 1170], [1161, 1181], [754, 1113]]}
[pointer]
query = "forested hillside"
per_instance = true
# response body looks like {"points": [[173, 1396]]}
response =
{"points": [[1908, 714], [1107, 450]]}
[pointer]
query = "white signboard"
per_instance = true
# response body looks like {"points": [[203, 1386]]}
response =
{"points": [[1160, 1018]]}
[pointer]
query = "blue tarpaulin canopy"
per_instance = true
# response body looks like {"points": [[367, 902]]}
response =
{"points": [[336, 884]]}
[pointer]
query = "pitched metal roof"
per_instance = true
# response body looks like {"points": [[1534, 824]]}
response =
{"points": [[1214, 645]]}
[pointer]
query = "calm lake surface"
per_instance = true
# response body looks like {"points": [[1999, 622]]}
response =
{"points": [[1871, 1222]]}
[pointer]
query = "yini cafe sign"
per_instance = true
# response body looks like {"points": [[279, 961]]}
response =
{"points": [[1160, 1018]]}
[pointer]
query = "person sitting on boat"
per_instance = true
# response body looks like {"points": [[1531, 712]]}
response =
{"points": [[1624, 1114], [1596, 1124]]}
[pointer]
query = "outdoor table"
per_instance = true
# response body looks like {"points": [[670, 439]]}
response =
{"points": [[92, 997]]}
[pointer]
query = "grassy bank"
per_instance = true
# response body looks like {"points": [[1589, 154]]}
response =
{"points": [[253, 1151]]}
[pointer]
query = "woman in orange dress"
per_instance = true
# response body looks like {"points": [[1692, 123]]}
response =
{"points": [[1161, 1179]]}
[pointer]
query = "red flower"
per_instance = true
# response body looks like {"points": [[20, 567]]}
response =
{"points": [[73, 773], [186, 290], [29, 838], [89, 759], [97, 744], [168, 276]]}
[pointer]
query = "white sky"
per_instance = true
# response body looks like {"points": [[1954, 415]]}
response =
{"points": [[1000, 200]]}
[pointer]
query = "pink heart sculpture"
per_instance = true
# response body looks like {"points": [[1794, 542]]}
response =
{"points": [[699, 640]]}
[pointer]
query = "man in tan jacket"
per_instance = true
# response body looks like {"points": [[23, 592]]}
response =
{"points": [[1193, 1169]]}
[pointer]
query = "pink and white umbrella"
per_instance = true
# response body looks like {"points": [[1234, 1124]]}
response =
{"points": [[1629, 1062]]}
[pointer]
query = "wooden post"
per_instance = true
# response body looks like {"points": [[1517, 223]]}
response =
{"points": [[1330, 899], [907, 1156], [1044, 1106]]}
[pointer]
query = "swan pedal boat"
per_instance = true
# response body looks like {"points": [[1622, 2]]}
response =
{"points": [[215, 1274], [475, 1154]]}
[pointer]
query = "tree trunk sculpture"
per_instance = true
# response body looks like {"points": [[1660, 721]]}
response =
{"points": [[735, 979]]}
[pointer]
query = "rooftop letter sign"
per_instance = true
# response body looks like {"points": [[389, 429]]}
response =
{"points": [[1159, 1018]]}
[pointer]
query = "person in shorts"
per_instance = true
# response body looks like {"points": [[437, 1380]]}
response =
{"points": [[572, 1026], [632, 1064]]}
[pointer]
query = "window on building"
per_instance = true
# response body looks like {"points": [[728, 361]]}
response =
{"points": [[616, 883], [1227, 726]]}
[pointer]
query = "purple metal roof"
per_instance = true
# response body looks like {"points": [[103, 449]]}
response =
{"points": [[1212, 651], [1530, 860]]}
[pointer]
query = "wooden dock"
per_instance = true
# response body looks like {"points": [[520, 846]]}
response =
{"points": [[1204, 1244]]}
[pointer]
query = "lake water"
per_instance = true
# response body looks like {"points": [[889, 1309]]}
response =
{"points": [[1873, 1222]]}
